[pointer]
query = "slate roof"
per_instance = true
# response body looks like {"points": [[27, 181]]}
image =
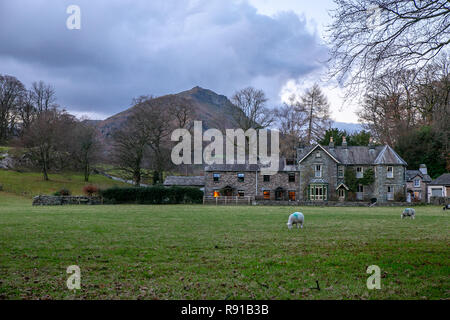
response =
{"points": [[442, 180], [411, 174], [195, 181], [354, 155], [249, 167]]}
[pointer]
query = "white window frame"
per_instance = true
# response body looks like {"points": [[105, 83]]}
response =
{"points": [[390, 174], [416, 183], [316, 171], [359, 174], [341, 172]]}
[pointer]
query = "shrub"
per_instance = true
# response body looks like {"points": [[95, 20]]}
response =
{"points": [[152, 195], [90, 190], [62, 192], [400, 196]]}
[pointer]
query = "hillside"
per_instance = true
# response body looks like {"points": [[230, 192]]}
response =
{"points": [[213, 109], [29, 184]]}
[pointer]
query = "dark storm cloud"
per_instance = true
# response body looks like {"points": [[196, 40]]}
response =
{"points": [[128, 48]]}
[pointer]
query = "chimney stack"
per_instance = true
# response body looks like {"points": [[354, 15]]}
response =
{"points": [[423, 169], [344, 142], [371, 144], [331, 145]]}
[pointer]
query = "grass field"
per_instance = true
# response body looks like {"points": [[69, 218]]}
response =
{"points": [[207, 252], [29, 184]]}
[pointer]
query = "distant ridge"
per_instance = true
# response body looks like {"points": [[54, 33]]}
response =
{"points": [[348, 126]]}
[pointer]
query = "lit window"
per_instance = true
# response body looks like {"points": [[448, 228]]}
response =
{"points": [[266, 194], [216, 177], [291, 177], [359, 172], [390, 172], [291, 195], [417, 183], [240, 177], [318, 171], [216, 194]]}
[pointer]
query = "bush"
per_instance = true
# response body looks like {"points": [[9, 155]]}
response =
{"points": [[400, 196], [62, 192], [90, 190], [152, 195]]}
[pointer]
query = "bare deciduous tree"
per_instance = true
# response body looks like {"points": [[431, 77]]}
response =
{"points": [[46, 137], [11, 94], [370, 37], [130, 147], [85, 148], [251, 111], [43, 96], [291, 124]]}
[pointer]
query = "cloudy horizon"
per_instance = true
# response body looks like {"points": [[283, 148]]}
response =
{"points": [[129, 48]]}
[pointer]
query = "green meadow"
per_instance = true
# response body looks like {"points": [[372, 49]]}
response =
{"points": [[209, 252]]}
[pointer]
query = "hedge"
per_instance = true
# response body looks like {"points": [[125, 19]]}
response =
{"points": [[152, 195]]}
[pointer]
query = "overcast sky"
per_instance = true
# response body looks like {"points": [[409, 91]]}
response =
{"points": [[127, 48]]}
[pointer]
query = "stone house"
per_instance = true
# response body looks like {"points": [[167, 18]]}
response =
{"points": [[323, 170], [439, 187], [416, 184], [318, 174], [247, 180]]}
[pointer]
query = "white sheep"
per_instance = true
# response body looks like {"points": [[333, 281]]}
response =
{"points": [[409, 212], [296, 218]]}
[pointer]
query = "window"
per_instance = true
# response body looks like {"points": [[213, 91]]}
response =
{"points": [[266, 194], [340, 172], [390, 172], [318, 171], [417, 183], [266, 178], [359, 172], [216, 193], [291, 177], [390, 192], [318, 154], [241, 193], [240, 177], [291, 195], [436, 192], [290, 162], [341, 193], [360, 188], [216, 177]]}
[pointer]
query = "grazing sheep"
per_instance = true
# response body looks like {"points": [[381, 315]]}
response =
{"points": [[296, 218], [409, 212], [446, 207]]}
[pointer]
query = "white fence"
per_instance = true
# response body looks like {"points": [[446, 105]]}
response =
{"points": [[235, 200]]}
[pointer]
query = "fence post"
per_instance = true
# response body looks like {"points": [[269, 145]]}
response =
{"points": [[216, 200]]}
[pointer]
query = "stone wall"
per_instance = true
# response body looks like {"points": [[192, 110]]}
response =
{"points": [[332, 203], [65, 200], [249, 186]]}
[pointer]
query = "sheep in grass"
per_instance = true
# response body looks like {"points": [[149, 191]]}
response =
{"points": [[409, 212], [296, 218]]}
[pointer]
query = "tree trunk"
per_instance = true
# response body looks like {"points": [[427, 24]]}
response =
{"points": [[87, 171]]}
